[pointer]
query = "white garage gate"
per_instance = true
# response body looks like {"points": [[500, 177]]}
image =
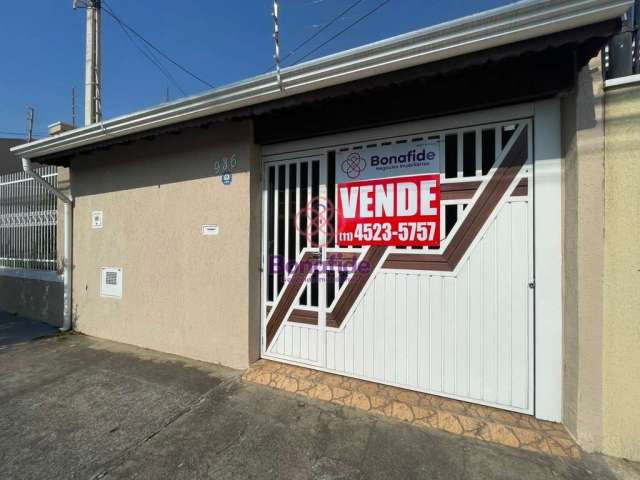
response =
{"points": [[456, 320]]}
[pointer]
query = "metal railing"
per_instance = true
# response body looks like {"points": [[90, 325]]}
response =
{"points": [[28, 221], [620, 55]]}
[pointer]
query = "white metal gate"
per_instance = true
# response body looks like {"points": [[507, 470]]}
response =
{"points": [[456, 320], [28, 221]]}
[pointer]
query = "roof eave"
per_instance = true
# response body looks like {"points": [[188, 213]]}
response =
{"points": [[510, 24]]}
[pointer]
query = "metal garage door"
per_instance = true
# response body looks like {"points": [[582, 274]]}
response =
{"points": [[454, 320]]}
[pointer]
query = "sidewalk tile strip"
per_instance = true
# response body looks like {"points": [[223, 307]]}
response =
{"points": [[420, 409]]}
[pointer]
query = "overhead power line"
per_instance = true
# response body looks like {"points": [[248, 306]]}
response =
{"points": [[322, 29], [353, 24], [315, 35], [147, 53], [107, 8]]}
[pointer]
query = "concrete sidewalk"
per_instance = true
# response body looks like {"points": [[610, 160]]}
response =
{"points": [[76, 407]]}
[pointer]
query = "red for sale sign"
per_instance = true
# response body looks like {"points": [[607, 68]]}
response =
{"points": [[400, 211]]}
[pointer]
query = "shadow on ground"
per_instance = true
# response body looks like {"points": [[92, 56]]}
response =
{"points": [[15, 329], [77, 407]]}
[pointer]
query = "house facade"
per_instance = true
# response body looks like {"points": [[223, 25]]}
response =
{"points": [[449, 211]]}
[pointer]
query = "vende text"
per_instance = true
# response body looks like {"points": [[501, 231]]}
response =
{"points": [[393, 211]]}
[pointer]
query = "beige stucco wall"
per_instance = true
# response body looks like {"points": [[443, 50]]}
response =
{"points": [[184, 293], [601, 214], [621, 360], [583, 238]]}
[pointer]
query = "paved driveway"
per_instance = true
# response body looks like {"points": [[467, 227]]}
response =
{"points": [[78, 407]]}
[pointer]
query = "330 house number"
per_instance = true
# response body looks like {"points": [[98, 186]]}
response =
{"points": [[225, 165], [406, 232]]}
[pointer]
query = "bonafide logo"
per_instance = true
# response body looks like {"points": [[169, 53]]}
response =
{"points": [[353, 165], [410, 157], [388, 160]]}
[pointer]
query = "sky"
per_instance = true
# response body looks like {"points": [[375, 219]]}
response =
{"points": [[219, 41]]}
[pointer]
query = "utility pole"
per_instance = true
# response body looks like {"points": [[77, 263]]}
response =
{"points": [[92, 94], [276, 39], [73, 107], [30, 117]]}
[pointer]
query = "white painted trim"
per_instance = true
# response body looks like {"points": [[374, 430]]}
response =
{"points": [[501, 26], [547, 190], [531, 267], [622, 81], [264, 185], [42, 275]]}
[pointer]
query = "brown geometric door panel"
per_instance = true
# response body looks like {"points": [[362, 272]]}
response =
{"points": [[454, 320]]}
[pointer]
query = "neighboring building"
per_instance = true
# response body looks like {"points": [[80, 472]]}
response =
{"points": [[526, 304], [8, 162], [621, 230], [621, 301], [29, 282]]}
